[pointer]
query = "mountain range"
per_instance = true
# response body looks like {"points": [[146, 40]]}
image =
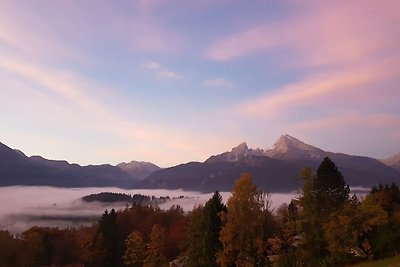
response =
{"points": [[275, 170], [18, 169]]}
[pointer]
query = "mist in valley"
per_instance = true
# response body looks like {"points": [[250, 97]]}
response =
{"points": [[26, 206]]}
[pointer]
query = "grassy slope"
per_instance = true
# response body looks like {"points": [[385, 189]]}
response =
{"points": [[390, 262]]}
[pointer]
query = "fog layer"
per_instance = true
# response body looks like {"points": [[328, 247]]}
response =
{"points": [[25, 206]]}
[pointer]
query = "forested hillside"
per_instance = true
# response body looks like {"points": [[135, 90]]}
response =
{"points": [[325, 226]]}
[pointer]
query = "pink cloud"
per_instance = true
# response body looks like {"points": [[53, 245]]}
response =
{"points": [[349, 50], [136, 27], [81, 23], [319, 33], [349, 88], [371, 134], [247, 42], [18, 37], [351, 119], [77, 94], [37, 89]]}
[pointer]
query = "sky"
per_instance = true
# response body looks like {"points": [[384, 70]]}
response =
{"points": [[174, 81]]}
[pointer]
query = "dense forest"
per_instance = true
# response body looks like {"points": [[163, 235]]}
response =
{"points": [[325, 226], [140, 199]]}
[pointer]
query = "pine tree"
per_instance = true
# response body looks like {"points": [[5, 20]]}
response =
{"points": [[110, 242], [202, 238], [322, 196], [329, 188]]}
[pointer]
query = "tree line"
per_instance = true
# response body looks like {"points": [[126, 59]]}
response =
{"points": [[324, 226]]}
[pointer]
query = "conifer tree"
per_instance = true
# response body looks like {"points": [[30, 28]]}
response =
{"points": [[329, 188], [109, 234], [202, 238], [322, 195]]}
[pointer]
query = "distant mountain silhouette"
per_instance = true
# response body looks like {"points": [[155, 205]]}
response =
{"points": [[393, 161], [18, 169], [275, 170]]}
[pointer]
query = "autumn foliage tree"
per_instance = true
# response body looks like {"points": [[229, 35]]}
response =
{"points": [[242, 237], [382, 212], [155, 248], [135, 250], [323, 227]]}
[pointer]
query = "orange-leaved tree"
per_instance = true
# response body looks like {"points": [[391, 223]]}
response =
{"points": [[242, 235]]}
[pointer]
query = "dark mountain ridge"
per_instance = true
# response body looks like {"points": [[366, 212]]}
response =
{"points": [[275, 170], [18, 169]]}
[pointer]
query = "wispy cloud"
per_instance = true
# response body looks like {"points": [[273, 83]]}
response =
{"points": [[243, 43], [219, 82], [161, 72], [125, 27], [66, 91], [151, 65], [334, 32], [351, 119], [345, 89], [348, 53], [345, 56], [350, 131], [168, 74], [330, 59], [43, 43]]}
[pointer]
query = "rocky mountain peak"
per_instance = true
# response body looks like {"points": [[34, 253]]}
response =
{"points": [[240, 149], [289, 147], [237, 153], [286, 142], [138, 169]]}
